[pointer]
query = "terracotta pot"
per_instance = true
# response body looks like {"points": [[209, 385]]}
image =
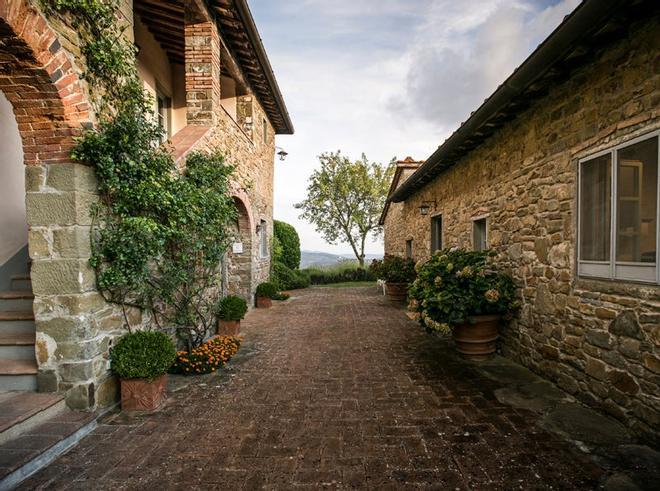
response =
{"points": [[397, 292], [228, 328], [476, 340], [264, 302], [142, 394]]}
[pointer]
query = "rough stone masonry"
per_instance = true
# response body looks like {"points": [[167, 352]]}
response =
{"points": [[598, 340]]}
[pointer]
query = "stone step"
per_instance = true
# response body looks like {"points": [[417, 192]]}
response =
{"points": [[16, 300], [38, 431], [18, 374], [21, 282], [21, 321], [17, 346], [22, 411]]}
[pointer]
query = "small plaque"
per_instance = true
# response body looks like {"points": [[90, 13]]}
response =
{"points": [[237, 248]]}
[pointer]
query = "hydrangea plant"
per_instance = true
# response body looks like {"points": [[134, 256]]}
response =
{"points": [[456, 285]]}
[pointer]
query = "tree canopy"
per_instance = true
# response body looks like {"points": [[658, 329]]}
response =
{"points": [[345, 199]]}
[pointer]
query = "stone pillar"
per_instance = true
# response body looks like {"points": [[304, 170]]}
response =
{"points": [[202, 66], [74, 325]]}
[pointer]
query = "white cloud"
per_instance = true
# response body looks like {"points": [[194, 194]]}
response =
{"points": [[460, 57], [387, 77]]}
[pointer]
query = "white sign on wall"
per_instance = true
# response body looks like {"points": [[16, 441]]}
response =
{"points": [[237, 248]]}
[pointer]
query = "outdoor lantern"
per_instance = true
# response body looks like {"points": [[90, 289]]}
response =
{"points": [[282, 153], [426, 206]]}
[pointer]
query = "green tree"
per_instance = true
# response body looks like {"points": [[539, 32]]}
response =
{"points": [[288, 245], [345, 199]]}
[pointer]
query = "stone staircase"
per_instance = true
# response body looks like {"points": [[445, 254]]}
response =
{"points": [[18, 365]]}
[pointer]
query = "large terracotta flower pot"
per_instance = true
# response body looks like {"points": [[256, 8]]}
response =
{"points": [[264, 302], [475, 340], [228, 328], [141, 394], [397, 292]]}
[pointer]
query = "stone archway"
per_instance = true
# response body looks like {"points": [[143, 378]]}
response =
{"points": [[238, 277], [39, 78]]}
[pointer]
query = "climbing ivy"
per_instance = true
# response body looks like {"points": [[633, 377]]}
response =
{"points": [[159, 234]]}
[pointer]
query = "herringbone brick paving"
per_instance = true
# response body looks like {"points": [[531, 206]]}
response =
{"points": [[336, 388]]}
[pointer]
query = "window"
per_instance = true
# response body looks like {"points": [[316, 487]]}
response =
{"points": [[164, 115], [436, 233], [479, 235], [263, 238], [409, 248], [264, 126], [618, 212]]}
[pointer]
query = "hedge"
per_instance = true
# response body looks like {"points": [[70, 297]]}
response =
{"points": [[288, 252]]}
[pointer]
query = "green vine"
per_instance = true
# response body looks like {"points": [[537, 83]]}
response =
{"points": [[160, 234]]}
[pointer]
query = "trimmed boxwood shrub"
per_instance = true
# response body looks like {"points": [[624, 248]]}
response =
{"points": [[266, 290], [142, 354], [231, 308], [288, 252], [288, 279]]}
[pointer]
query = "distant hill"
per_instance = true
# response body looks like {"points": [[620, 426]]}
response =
{"points": [[313, 259]]}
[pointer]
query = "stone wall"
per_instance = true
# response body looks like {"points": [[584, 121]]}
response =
{"points": [[598, 340], [40, 68]]}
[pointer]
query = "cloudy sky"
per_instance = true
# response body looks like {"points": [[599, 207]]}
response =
{"points": [[387, 77]]}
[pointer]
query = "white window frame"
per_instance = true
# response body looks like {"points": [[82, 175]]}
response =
{"points": [[474, 221], [613, 269]]}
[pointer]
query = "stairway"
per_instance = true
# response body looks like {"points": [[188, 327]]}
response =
{"points": [[18, 366]]}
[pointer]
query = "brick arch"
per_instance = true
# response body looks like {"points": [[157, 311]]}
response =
{"points": [[40, 81], [239, 266]]}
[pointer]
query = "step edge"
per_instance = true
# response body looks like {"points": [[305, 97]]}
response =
{"points": [[29, 339], [32, 369], [21, 425], [17, 315], [16, 295], [48, 456]]}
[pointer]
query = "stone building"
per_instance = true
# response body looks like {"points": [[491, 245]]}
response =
{"points": [[212, 86], [557, 171]]}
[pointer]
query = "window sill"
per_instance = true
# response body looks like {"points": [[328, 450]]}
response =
{"points": [[641, 290]]}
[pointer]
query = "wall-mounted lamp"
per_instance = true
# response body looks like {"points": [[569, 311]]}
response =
{"points": [[426, 206], [282, 153]]}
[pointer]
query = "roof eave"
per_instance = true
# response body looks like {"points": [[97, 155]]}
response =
{"points": [[582, 21], [255, 39]]}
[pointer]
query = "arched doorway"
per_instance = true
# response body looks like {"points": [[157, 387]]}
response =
{"points": [[238, 272], [44, 97], [13, 221]]}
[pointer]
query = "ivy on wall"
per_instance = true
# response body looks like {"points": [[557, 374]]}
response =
{"points": [[159, 234]]}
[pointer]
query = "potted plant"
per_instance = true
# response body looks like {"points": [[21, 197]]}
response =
{"points": [[461, 292], [230, 310], [265, 293], [141, 360], [398, 273]]}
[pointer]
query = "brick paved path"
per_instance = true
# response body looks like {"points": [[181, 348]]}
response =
{"points": [[335, 388]]}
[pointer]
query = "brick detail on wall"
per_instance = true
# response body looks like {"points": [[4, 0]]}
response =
{"points": [[202, 57], [39, 79]]}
